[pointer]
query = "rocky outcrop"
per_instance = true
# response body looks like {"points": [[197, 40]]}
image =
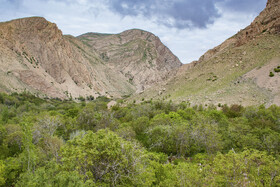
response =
{"points": [[267, 22]]}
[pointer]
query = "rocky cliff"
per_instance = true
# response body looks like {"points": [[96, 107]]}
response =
{"points": [[36, 56]]}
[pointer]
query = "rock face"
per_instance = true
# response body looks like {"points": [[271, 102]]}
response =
{"points": [[267, 22], [35, 56], [138, 55]]}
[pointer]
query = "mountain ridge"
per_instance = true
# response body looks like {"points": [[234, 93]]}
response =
{"points": [[37, 57]]}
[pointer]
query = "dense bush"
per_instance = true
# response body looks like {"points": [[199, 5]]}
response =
{"points": [[63, 143]]}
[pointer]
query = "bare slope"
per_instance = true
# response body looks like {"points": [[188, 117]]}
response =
{"points": [[35, 56], [235, 72], [138, 55]]}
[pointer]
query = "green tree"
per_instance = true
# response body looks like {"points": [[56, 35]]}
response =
{"points": [[251, 167], [105, 158], [52, 175], [88, 118], [2, 173], [206, 138], [190, 174], [13, 139], [28, 156]]}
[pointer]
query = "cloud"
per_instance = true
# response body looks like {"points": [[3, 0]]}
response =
{"points": [[10, 4], [179, 14], [184, 14], [172, 13], [245, 6]]}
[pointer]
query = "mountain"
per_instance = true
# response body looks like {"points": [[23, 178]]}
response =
{"points": [[242, 70], [245, 69], [35, 56], [138, 55]]}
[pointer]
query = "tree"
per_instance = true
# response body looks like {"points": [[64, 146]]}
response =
{"points": [[88, 118], [13, 139], [160, 139], [2, 173], [105, 158], [189, 174], [51, 175], [206, 138], [251, 167], [28, 156], [47, 125]]}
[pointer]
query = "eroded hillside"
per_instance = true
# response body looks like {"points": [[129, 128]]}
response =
{"points": [[35, 56], [138, 55]]}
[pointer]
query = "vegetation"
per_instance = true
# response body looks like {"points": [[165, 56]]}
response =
{"points": [[271, 74], [155, 143], [277, 69]]}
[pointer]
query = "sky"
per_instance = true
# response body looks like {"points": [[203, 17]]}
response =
{"points": [[187, 27]]}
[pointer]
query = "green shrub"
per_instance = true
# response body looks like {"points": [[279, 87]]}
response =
{"points": [[90, 98], [277, 69], [81, 98], [233, 111]]}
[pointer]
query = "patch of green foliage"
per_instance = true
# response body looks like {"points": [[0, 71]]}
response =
{"points": [[276, 70], [155, 143]]}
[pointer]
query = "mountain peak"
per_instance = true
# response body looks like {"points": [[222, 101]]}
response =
{"points": [[30, 22], [29, 19], [30, 26]]}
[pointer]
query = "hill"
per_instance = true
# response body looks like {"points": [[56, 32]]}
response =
{"points": [[138, 55]]}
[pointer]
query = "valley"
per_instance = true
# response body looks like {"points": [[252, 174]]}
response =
{"points": [[122, 110]]}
